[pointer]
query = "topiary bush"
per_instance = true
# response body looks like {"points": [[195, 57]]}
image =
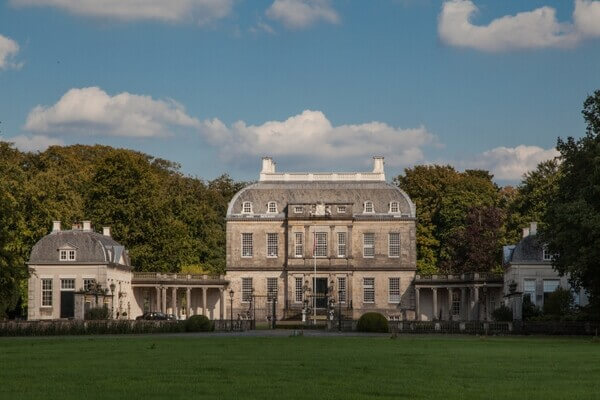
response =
{"points": [[199, 323], [372, 322], [502, 314], [97, 313], [559, 303]]}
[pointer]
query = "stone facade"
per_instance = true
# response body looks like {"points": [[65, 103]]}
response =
{"points": [[365, 253]]}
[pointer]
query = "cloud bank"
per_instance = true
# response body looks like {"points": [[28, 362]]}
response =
{"points": [[298, 14], [91, 111], [538, 28], [34, 143], [200, 11], [8, 50]]}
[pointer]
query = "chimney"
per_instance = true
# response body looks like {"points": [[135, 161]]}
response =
{"points": [[55, 226], [106, 231], [533, 228], [268, 166], [378, 164], [525, 232], [87, 226]]}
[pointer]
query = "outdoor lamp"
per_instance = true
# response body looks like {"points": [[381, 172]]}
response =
{"points": [[231, 294]]}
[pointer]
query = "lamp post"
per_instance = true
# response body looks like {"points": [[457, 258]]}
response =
{"points": [[305, 291], [339, 310], [231, 309], [112, 299]]}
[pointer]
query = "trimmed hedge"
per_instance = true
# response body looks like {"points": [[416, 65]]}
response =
{"points": [[199, 323], [93, 327], [372, 322], [502, 314], [97, 313]]}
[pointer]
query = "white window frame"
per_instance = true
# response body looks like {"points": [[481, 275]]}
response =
{"points": [[342, 244], [67, 255], [396, 205], [368, 207], [272, 207], [298, 244], [247, 289], [272, 245], [532, 293], [247, 207], [251, 245], [272, 288], [393, 246], [342, 289], [299, 293], [368, 246], [341, 209], [456, 303], [47, 288], [369, 290], [318, 247], [62, 255], [88, 283], [298, 209], [546, 255], [67, 284], [394, 290]]}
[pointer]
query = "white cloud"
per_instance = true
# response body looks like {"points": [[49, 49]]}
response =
{"points": [[91, 111], [34, 143], [298, 14], [510, 163], [587, 17], [8, 49], [310, 136], [201, 11], [532, 29]]}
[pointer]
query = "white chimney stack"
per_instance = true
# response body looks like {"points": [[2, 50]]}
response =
{"points": [[268, 166], [525, 232], [533, 228], [106, 231], [87, 226], [55, 226]]}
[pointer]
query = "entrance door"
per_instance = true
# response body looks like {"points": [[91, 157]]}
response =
{"points": [[67, 304], [321, 292]]}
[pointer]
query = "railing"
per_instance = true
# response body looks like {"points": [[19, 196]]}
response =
{"points": [[324, 176], [174, 276], [471, 276]]}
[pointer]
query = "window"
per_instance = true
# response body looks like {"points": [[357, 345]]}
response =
{"points": [[529, 290], [67, 284], [272, 207], [456, 302], [550, 285], [247, 248], [271, 288], [246, 290], [88, 284], [546, 255], [246, 207], [298, 210], [67, 255], [369, 290], [299, 244], [394, 290], [342, 289], [272, 245], [394, 207], [341, 209], [46, 292], [63, 255], [341, 236], [369, 207], [320, 244], [368, 245], [298, 290], [394, 244]]}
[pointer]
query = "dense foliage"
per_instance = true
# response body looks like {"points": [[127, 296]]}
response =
{"points": [[502, 314], [97, 313], [199, 323], [558, 303], [372, 322]]}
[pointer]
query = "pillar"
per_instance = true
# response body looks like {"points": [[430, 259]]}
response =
{"points": [[476, 303], [164, 299], [307, 251], [188, 302], [204, 301], [463, 307], [435, 304], [332, 242], [417, 306], [449, 304], [158, 298], [174, 300], [221, 303]]}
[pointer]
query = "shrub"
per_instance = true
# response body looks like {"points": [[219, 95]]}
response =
{"points": [[198, 323], [530, 311], [372, 322], [503, 314], [559, 303], [97, 313]]}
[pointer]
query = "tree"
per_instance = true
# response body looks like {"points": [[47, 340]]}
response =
{"points": [[571, 224]]}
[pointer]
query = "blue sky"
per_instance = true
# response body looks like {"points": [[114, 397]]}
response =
{"points": [[318, 85]]}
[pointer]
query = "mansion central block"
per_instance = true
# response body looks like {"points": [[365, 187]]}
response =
{"points": [[358, 229]]}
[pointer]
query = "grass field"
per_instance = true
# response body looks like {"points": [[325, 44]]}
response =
{"points": [[196, 367]]}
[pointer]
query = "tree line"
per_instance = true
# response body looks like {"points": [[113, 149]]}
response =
{"points": [[172, 222]]}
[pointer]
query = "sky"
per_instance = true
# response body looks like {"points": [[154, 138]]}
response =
{"points": [[318, 85]]}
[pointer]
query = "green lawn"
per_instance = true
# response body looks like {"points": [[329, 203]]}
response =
{"points": [[196, 367]]}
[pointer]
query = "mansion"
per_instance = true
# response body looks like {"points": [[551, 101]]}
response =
{"points": [[299, 246]]}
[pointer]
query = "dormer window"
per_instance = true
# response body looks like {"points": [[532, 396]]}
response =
{"points": [[369, 207], [246, 207], [394, 207], [546, 255], [66, 255], [298, 210], [341, 209], [272, 207]]}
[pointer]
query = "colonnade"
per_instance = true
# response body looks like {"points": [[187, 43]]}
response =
{"points": [[161, 300]]}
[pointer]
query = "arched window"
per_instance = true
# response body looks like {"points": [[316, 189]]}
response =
{"points": [[394, 207], [246, 207], [272, 207], [369, 207]]}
